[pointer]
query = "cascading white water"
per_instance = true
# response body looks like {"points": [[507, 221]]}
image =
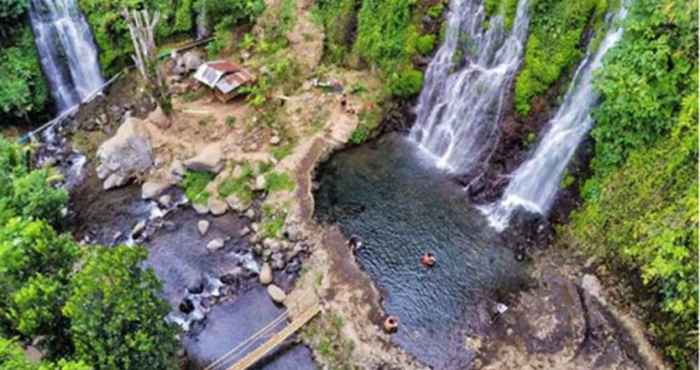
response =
{"points": [[535, 183], [458, 112], [67, 51]]}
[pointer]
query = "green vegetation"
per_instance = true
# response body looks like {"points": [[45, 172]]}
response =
{"points": [[25, 95], [112, 287], [84, 308], [338, 18], [556, 29], [325, 336], [240, 186], [272, 222], [640, 210], [112, 35], [278, 181], [195, 183]]}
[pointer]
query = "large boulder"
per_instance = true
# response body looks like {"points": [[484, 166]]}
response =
{"points": [[187, 62], [209, 159], [125, 155]]}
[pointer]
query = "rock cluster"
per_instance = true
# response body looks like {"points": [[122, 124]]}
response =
{"points": [[125, 155]]}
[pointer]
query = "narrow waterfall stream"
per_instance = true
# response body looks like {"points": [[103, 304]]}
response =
{"points": [[458, 112], [67, 51], [535, 183]]}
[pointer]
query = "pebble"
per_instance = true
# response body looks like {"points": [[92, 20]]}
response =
{"points": [[215, 244], [265, 274], [275, 140], [250, 213], [201, 209], [203, 226], [245, 231], [260, 182], [165, 200], [217, 206], [138, 228], [276, 293]]}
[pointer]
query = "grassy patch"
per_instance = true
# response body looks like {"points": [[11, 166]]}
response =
{"points": [[272, 221], [240, 186], [282, 151], [278, 181], [194, 183], [324, 335]]}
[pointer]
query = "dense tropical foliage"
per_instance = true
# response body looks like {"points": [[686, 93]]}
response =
{"points": [[23, 90], [83, 307], [641, 205]]}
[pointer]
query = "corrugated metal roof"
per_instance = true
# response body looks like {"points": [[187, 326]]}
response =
{"points": [[224, 66], [234, 80]]}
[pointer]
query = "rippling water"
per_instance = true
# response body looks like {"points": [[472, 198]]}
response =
{"points": [[401, 206]]}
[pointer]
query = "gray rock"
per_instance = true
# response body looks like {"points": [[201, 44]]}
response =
{"points": [[151, 189], [265, 274], [260, 182], [201, 209], [165, 200], [245, 231], [177, 168], [250, 213], [591, 285], [209, 159], [125, 155], [276, 293], [236, 203], [138, 227], [215, 244], [293, 232], [255, 226], [217, 207], [275, 140], [203, 226], [191, 60]]}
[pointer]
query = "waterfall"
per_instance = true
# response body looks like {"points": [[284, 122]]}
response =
{"points": [[535, 183], [458, 111], [66, 49]]}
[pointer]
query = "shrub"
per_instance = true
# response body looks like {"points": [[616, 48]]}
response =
{"points": [[556, 28], [195, 183], [425, 44], [406, 83], [117, 314], [276, 181]]}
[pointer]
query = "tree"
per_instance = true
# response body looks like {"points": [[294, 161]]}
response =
{"points": [[35, 265], [142, 29], [12, 358], [24, 192], [117, 315]]}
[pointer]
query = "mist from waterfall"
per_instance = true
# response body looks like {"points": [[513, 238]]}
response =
{"points": [[534, 185], [461, 102], [67, 51]]}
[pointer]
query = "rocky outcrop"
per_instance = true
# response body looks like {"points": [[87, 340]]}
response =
{"points": [[210, 159], [560, 325], [126, 155]]}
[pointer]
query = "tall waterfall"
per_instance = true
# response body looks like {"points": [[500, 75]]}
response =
{"points": [[458, 112], [67, 51], [535, 183]]}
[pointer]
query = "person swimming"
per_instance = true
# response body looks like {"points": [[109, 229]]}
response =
{"points": [[428, 259]]}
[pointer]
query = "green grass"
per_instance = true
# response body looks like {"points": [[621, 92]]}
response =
{"points": [[278, 181], [194, 183], [239, 186], [272, 221]]}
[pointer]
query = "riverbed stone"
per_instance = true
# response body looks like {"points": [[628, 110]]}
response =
{"points": [[245, 231], [125, 155], [203, 227], [201, 209], [217, 207], [266, 274], [177, 168], [152, 189], [165, 200], [138, 228], [236, 203], [215, 244], [250, 213], [276, 293], [260, 182], [210, 159]]}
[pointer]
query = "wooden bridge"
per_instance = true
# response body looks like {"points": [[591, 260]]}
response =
{"points": [[273, 341]]}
